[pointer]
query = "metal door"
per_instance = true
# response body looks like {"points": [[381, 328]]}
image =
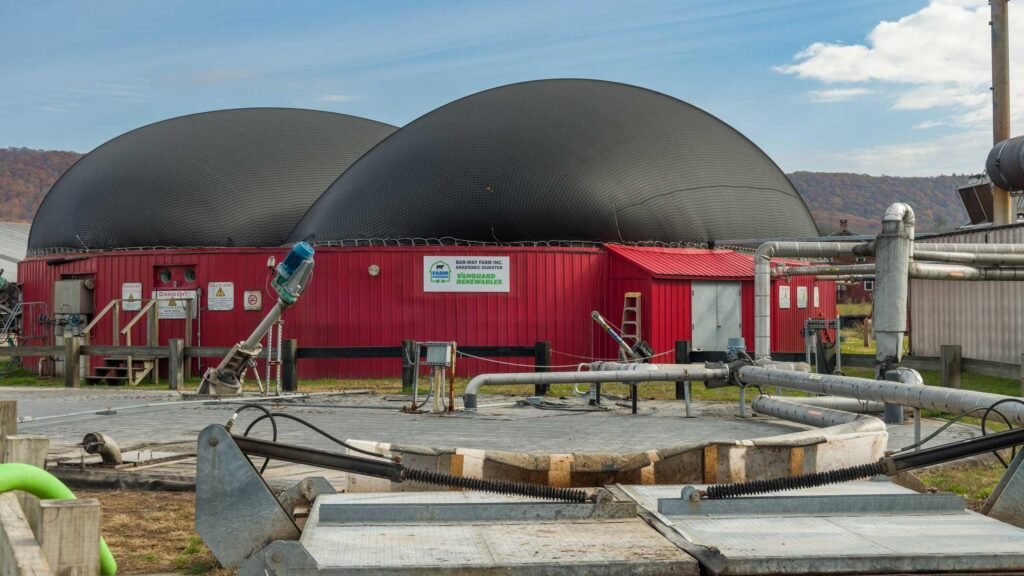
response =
{"points": [[716, 312]]}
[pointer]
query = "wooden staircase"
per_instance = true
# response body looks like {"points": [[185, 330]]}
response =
{"points": [[126, 370]]}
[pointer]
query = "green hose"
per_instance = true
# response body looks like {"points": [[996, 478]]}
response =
{"points": [[45, 486]]}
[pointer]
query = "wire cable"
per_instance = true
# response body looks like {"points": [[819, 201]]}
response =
{"points": [[309, 425], [266, 414]]}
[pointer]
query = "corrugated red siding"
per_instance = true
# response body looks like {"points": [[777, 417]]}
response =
{"points": [[666, 300], [553, 291], [787, 323]]}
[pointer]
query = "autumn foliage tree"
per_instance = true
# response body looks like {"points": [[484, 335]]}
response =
{"points": [[25, 177]]}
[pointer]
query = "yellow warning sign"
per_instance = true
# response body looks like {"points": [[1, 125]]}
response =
{"points": [[173, 302], [220, 296], [131, 298]]}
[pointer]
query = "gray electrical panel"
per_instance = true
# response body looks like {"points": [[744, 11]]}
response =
{"points": [[72, 297], [439, 353]]}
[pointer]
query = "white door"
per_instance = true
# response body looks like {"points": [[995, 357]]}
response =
{"points": [[716, 312]]}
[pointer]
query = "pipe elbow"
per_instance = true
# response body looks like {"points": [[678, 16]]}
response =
{"points": [[900, 211]]}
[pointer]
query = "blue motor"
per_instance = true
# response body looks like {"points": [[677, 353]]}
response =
{"points": [[300, 253], [293, 272]]}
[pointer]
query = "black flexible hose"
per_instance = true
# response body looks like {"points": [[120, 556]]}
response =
{"points": [[984, 426], [309, 425], [266, 414]]}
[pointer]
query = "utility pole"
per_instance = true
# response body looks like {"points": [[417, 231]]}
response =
{"points": [[1002, 203]]}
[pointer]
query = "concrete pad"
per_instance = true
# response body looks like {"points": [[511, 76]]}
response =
{"points": [[943, 542], [610, 546]]}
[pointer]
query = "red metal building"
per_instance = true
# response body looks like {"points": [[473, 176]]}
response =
{"points": [[379, 296]]}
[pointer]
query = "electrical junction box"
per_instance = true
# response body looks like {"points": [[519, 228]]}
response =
{"points": [[439, 353], [72, 297]]}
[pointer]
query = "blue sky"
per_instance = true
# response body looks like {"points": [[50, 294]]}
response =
{"points": [[817, 84]]}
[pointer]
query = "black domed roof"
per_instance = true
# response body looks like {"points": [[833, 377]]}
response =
{"points": [[561, 160], [239, 177]]}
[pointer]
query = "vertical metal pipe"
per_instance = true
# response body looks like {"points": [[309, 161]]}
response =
{"points": [[270, 355], [1002, 203], [280, 342], [687, 392], [893, 251], [839, 343], [743, 401]]}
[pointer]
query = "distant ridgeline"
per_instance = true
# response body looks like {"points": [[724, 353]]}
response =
{"points": [[860, 198], [26, 175]]}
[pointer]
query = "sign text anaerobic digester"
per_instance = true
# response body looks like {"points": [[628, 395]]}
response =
{"points": [[465, 274]]}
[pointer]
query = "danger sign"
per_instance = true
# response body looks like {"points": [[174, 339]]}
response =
{"points": [[220, 296], [253, 300], [171, 304], [131, 296]]}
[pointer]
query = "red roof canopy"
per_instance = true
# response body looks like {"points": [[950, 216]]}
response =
{"points": [[687, 262]]}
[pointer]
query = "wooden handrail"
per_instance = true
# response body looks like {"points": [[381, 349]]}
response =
{"points": [[99, 316], [139, 316]]}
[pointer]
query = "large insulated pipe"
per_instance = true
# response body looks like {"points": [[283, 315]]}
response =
{"points": [[934, 271], [810, 415], [970, 258], [675, 374], [949, 400], [975, 248], [839, 403], [816, 270], [763, 280], [893, 250]]}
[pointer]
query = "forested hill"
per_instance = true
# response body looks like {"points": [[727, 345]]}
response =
{"points": [[862, 199], [25, 176]]}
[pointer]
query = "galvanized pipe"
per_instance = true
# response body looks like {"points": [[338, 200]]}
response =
{"points": [[970, 258], [681, 372], [839, 403], [825, 269], [811, 415], [762, 280], [606, 366], [933, 271], [971, 248], [948, 400], [847, 278]]}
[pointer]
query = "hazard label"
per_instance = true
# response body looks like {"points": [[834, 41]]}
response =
{"points": [[131, 296], [220, 296], [172, 304]]}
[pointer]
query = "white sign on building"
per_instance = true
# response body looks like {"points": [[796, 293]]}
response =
{"points": [[801, 296], [171, 303], [220, 296], [252, 300], [817, 298], [783, 297], [131, 296], [465, 274]]}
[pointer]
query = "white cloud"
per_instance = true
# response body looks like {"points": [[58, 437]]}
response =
{"points": [[928, 124], [963, 153], [837, 94], [336, 98], [936, 58]]}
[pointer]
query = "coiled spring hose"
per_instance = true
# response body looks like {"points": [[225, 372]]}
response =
{"points": [[45, 486]]}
